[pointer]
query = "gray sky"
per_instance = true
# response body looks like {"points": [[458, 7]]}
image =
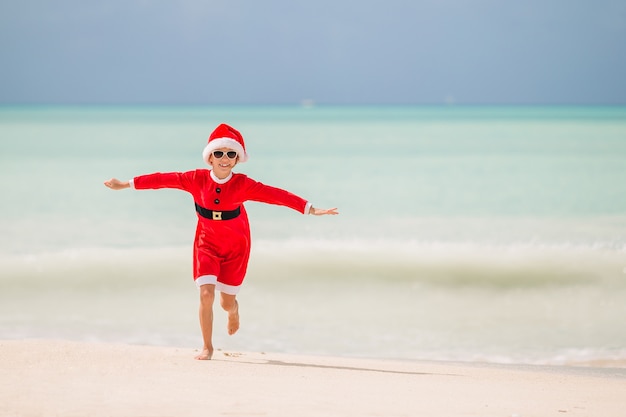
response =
{"points": [[331, 51]]}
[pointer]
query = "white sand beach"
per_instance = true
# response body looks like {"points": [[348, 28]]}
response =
{"points": [[63, 378]]}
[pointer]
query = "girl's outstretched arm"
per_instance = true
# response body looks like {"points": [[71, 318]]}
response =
{"points": [[320, 212], [116, 184]]}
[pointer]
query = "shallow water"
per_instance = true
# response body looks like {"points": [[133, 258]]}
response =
{"points": [[491, 234]]}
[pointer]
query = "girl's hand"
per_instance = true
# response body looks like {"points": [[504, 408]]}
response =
{"points": [[116, 184], [320, 212]]}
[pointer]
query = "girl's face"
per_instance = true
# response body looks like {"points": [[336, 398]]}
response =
{"points": [[225, 163]]}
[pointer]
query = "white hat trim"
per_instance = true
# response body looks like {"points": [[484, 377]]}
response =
{"points": [[224, 143]]}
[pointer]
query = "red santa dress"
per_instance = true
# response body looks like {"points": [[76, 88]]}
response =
{"points": [[222, 245]]}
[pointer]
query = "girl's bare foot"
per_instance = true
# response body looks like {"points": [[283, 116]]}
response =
{"points": [[233, 320], [205, 355]]}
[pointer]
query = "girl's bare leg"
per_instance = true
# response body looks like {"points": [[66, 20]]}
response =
{"points": [[231, 306], [207, 296]]}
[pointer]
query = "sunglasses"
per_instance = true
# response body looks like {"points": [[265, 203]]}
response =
{"points": [[229, 154]]}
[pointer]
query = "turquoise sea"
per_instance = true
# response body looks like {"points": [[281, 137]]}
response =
{"points": [[491, 234]]}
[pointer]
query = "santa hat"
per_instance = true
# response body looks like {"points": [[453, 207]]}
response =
{"points": [[225, 136]]}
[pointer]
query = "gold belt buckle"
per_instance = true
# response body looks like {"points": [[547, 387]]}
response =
{"points": [[217, 215]]}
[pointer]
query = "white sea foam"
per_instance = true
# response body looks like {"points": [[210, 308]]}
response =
{"points": [[544, 305]]}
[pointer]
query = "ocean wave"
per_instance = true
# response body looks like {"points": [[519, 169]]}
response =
{"points": [[418, 263], [523, 303], [447, 264]]}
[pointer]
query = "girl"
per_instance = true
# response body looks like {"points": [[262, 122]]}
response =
{"points": [[222, 243]]}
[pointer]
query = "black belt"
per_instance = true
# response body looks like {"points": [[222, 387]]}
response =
{"points": [[217, 215]]}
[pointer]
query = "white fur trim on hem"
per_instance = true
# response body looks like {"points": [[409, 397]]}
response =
{"points": [[220, 286], [228, 289], [206, 279]]}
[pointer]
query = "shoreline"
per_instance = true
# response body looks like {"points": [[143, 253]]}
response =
{"points": [[67, 378]]}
